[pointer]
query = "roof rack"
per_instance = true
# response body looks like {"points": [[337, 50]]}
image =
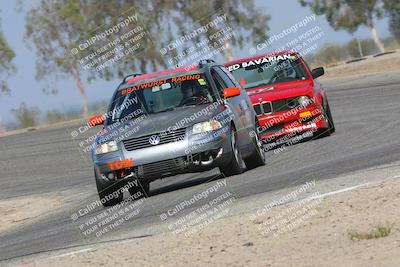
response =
{"points": [[125, 79], [203, 61]]}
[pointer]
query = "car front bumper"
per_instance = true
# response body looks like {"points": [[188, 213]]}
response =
{"points": [[191, 154], [291, 122]]}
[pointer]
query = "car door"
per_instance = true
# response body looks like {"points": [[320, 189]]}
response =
{"points": [[236, 104], [245, 102]]}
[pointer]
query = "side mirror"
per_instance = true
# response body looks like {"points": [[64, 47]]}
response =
{"points": [[96, 120], [315, 73], [231, 92]]}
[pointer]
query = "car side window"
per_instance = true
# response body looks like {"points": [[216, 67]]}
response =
{"points": [[219, 82], [305, 63], [224, 76], [231, 78]]}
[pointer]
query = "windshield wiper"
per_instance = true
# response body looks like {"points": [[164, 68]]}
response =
{"points": [[165, 110], [188, 105]]}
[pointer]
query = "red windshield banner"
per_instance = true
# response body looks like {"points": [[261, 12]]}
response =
{"points": [[160, 82]]}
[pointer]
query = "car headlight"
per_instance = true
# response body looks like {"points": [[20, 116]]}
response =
{"points": [[304, 101], [106, 147], [206, 126]]}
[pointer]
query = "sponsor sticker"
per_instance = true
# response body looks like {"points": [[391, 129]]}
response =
{"points": [[201, 81], [261, 61], [163, 84], [185, 78], [120, 164]]}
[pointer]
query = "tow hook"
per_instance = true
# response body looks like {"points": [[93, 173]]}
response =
{"points": [[210, 160]]}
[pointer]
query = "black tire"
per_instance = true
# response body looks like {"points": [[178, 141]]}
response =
{"points": [[330, 118], [256, 159], [235, 165], [106, 190], [331, 125], [143, 187]]}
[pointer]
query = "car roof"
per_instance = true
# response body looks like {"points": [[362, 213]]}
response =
{"points": [[259, 56], [162, 73]]}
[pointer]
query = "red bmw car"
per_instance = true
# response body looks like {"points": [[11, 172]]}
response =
{"points": [[285, 95]]}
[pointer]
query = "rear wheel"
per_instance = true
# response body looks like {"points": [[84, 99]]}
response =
{"points": [[235, 165], [258, 157]]}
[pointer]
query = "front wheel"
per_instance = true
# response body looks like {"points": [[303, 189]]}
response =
{"points": [[330, 118], [325, 132], [235, 165], [109, 195], [258, 157]]}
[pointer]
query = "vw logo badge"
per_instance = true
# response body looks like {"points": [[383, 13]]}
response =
{"points": [[154, 140]]}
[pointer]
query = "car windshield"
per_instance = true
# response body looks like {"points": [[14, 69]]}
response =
{"points": [[268, 70], [161, 96]]}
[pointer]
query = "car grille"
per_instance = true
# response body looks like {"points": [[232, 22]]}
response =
{"points": [[143, 141], [280, 105], [258, 109], [267, 107], [160, 167], [263, 108], [275, 106]]}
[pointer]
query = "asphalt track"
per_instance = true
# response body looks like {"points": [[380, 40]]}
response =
{"points": [[366, 111]]}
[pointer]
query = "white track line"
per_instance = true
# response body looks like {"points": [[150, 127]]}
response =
{"points": [[340, 191], [315, 197]]}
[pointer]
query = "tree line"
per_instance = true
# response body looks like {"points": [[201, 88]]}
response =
{"points": [[54, 26]]}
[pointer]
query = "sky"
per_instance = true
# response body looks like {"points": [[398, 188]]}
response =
{"points": [[24, 87]]}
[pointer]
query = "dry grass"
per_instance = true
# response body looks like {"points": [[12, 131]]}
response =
{"points": [[383, 64], [377, 232]]}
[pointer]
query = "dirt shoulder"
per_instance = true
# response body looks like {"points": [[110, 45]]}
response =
{"points": [[354, 228], [15, 211], [372, 65]]}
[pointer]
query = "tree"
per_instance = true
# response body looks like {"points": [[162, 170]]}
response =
{"points": [[360, 48], [167, 20], [349, 14], [57, 27], [27, 117], [329, 54], [54, 116], [250, 23], [53, 27], [392, 8], [6, 66]]}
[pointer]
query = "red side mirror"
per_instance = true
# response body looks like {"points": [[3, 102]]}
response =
{"points": [[231, 92], [96, 120]]}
